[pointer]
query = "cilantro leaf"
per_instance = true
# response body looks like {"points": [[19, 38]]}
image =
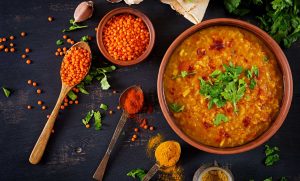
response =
{"points": [[82, 88], [104, 107], [176, 107], [271, 159], [215, 73], [268, 179], [85, 38], [74, 26], [98, 121], [6, 91], [183, 74], [219, 119], [104, 83], [88, 117], [231, 5], [272, 155], [137, 173], [252, 84], [59, 42], [72, 95], [283, 179], [269, 150]]}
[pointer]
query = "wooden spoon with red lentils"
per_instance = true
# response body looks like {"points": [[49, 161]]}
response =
{"points": [[74, 68]]}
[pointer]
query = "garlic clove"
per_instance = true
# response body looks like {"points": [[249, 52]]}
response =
{"points": [[83, 11]]}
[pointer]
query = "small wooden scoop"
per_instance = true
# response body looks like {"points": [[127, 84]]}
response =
{"points": [[41, 143], [99, 173]]}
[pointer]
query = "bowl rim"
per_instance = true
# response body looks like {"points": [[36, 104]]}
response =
{"points": [[282, 62], [125, 10]]}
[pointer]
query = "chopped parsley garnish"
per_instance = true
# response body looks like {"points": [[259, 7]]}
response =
{"points": [[137, 173], [104, 107], [219, 119], [72, 95], [272, 155], [183, 74], [6, 91], [59, 42], [252, 84], [176, 107], [224, 86]]}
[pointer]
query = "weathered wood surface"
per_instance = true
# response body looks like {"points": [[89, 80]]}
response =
{"points": [[20, 127]]}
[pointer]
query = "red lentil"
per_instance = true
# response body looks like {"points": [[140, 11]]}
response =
{"points": [[23, 34], [29, 82], [34, 84], [125, 37], [44, 107]]}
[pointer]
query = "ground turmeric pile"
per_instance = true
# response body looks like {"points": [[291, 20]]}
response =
{"points": [[214, 175], [167, 153], [175, 172]]}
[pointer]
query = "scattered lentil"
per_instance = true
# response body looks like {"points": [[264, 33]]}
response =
{"points": [[29, 107], [40, 102], [44, 107], [28, 61], [38, 91], [23, 34]]}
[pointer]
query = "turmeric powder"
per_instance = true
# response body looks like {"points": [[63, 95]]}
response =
{"points": [[167, 153]]}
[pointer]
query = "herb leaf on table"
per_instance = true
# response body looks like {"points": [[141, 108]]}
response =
{"points": [[281, 18], [98, 121], [74, 26], [6, 91], [137, 173], [272, 155]]}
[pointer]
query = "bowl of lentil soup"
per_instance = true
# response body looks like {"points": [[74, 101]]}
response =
{"points": [[225, 86], [125, 36]]}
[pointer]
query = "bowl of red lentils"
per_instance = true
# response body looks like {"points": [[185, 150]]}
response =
{"points": [[125, 36]]}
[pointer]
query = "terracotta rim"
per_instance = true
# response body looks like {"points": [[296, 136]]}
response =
{"points": [[287, 82], [134, 12]]}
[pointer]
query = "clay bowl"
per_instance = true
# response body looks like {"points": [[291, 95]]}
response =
{"points": [[118, 11], [287, 81]]}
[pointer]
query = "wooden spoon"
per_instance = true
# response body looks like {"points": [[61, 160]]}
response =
{"points": [[156, 166], [41, 143], [99, 173]]}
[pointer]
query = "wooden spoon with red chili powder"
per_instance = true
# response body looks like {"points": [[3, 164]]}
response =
{"points": [[131, 101]]}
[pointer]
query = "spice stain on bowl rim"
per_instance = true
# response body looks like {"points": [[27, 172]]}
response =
{"points": [[136, 13], [282, 62]]}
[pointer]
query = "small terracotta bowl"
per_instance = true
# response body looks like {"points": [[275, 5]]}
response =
{"points": [[282, 63], [118, 11]]}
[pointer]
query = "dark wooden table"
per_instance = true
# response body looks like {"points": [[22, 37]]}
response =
{"points": [[20, 127]]}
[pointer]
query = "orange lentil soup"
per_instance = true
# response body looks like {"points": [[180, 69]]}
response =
{"points": [[241, 108]]}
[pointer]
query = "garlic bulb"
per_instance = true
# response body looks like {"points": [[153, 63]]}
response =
{"points": [[83, 11], [130, 2]]}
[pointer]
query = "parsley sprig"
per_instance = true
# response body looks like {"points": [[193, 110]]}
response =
{"points": [[74, 26]]}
